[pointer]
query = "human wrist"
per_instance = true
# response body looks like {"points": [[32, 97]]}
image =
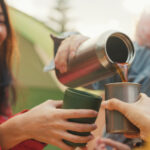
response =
{"points": [[13, 132]]}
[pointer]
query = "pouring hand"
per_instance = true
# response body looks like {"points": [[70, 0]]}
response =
{"points": [[67, 50]]}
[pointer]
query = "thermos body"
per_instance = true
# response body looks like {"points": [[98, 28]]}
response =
{"points": [[95, 58]]}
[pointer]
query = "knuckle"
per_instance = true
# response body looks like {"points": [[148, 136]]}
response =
{"points": [[57, 124], [76, 113], [76, 139], [63, 63], [72, 48], [113, 102], [110, 102], [57, 63], [85, 128], [62, 49], [79, 139], [60, 63], [56, 60], [81, 128], [92, 113], [83, 139], [144, 96]]}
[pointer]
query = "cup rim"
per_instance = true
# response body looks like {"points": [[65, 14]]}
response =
{"points": [[72, 90], [123, 83]]}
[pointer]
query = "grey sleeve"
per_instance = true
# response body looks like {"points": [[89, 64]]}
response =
{"points": [[100, 85], [140, 70]]}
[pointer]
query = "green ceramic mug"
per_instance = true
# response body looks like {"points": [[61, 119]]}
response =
{"points": [[75, 99]]}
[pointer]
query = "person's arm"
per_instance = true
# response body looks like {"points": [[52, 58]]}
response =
{"points": [[48, 124], [12, 132]]}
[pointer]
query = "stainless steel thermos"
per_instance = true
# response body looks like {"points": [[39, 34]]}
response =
{"points": [[95, 58]]}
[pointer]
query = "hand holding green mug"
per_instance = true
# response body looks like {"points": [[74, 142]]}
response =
{"points": [[75, 99]]}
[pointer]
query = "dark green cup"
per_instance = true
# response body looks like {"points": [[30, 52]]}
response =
{"points": [[75, 99]]}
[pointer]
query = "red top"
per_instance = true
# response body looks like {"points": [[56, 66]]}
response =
{"points": [[26, 145]]}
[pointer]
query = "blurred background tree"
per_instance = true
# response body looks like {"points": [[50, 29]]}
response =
{"points": [[60, 19]]}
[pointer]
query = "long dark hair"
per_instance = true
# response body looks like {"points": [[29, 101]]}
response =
{"points": [[7, 50]]}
